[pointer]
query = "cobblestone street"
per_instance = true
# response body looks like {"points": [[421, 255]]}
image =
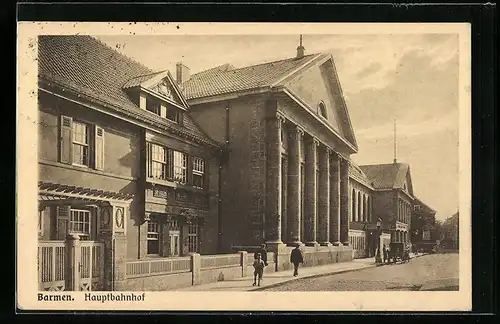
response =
{"points": [[434, 270]]}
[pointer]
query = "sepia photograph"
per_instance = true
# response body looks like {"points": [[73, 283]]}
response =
{"points": [[267, 158]]}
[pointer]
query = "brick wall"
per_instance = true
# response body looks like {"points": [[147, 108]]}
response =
{"points": [[244, 173]]}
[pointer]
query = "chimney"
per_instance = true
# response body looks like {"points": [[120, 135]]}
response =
{"points": [[300, 49], [182, 73]]}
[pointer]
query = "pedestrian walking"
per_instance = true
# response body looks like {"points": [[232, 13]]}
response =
{"points": [[258, 266], [384, 249], [296, 258]]}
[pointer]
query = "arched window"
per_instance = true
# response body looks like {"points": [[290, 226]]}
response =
{"points": [[322, 109], [353, 207]]}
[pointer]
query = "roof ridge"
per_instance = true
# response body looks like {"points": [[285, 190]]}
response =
{"points": [[271, 62], [218, 67], [252, 65]]}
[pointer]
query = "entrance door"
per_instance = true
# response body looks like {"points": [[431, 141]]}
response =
{"points": [[174, 243]]}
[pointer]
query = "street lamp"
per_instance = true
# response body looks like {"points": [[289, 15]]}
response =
{"points": [[378, 259]]}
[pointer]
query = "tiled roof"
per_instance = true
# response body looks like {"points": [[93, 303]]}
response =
{"points": [[356, 173], [140, 79], [86, 65], [386, 176], [227, 79]]}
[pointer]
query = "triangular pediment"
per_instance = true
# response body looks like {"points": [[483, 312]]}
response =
{"points": [[165, 89], [318, 86], [161, 85]]}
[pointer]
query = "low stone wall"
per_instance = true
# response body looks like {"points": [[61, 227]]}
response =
{"points": [[157, 282], [316, 256], [219, 274], [204, 269]]}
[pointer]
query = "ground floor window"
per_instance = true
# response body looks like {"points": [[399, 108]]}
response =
{"points": [[193, 237], [79, 223], [40, 222], [153, 237], [174, 243]]}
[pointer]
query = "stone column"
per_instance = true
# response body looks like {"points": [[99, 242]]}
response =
{"points": [[335, 200], [324, 197], [273, 190], [344, 202], [295, 135], [72, 270], [311, 193]]}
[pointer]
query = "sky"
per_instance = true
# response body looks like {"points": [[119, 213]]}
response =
{"points": [[412, 78]]}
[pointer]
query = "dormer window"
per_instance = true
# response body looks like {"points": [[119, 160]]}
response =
{"points": [[322, 110], [172, 114], [153, 106], [163, 110]]}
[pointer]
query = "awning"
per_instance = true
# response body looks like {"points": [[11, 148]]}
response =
{"points": [[51, 192]]}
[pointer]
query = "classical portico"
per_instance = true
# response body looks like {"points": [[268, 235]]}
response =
{"points": [[315, 184]]}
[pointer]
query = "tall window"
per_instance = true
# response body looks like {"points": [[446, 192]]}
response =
{"points": [[198, 171], [153, 237], [79, 223], [80, 143], [166, 164], [159, 162], [180, 164], [193, 238]]}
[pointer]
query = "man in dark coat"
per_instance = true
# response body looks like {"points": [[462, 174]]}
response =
{"points": [[263, 254], [296, 258]]}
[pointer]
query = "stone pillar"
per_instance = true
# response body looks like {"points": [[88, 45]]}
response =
{"points": [[344, 202], [273, 189], [243, 262], [112, 228], [295, 135], [311, 193], [72, 271], [324, 197], [195, 268], [335, 200]]}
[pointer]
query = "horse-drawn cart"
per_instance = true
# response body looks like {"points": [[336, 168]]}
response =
{"points": [[399, 252]]}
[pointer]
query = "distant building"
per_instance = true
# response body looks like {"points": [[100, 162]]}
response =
{"points": [[450, 227], [423, 229]]}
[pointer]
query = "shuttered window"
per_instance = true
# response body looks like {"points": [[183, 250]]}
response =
{"points": [[81, 143]]}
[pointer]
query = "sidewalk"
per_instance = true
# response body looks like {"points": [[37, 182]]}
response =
{"points": [[280, 277]]}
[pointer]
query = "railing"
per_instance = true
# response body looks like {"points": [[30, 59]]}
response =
{"points": [[51, 265], [220, 261], [91, 265], [144, 268]]}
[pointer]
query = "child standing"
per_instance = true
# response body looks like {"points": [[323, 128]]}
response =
{"points": [[258, 266]]}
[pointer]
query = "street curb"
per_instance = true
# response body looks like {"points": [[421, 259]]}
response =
{"points": [[316, 275]]}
